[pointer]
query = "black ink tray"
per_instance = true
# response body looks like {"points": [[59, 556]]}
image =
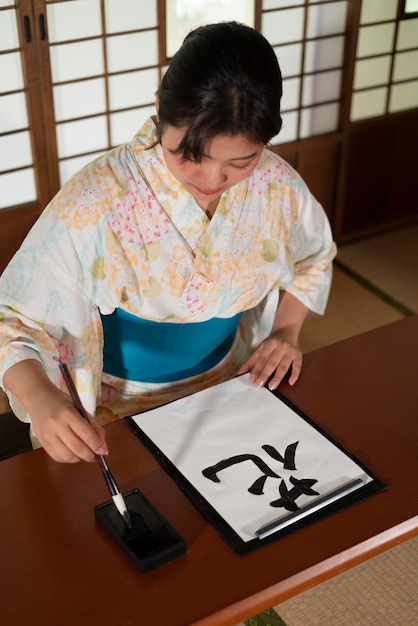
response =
{"points": [[151, 541]]}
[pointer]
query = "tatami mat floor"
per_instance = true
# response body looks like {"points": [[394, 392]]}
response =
{"points": [[375, 283]]}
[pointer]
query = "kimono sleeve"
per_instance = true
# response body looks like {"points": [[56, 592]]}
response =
{"points": [[312, 250], [44, 313]]}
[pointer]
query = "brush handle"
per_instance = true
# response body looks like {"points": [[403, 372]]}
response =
{"points": [[72, 389], [110, 481]]}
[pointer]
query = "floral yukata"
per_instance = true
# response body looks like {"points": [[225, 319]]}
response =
{"points": [[124, 234]]}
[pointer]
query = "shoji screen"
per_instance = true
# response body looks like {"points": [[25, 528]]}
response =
{"points": [[104, 67], [308, 37]]}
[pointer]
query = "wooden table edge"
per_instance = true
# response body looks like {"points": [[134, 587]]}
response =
{"points": [[267, 598]]}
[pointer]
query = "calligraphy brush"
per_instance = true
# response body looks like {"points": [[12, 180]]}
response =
{"points": [[117, 497]]}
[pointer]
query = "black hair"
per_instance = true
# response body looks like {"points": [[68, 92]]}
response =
{"points": [[224, 80]]}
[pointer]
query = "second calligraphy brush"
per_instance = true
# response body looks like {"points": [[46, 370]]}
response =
{"points": [[117, 497]]}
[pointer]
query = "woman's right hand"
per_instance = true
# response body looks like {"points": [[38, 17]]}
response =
{"points": [[64, 433], [59, 427]]}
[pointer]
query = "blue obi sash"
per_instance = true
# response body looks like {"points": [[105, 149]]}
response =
{"points": [[155, 352]]}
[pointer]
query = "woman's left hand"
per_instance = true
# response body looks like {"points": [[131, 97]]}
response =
{"points": [[273, 357]]}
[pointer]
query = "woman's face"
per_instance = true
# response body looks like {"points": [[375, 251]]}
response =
{"points": [[227, 161]]}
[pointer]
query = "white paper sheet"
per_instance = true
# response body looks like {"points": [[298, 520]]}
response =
{"points": [[235, 418]]}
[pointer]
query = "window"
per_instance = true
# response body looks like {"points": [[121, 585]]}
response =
{"points": [[308, 38], [182, 16], [409, 8], [386, 67]]}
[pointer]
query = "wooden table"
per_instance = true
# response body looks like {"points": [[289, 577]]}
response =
{"points": [[58, 567]]}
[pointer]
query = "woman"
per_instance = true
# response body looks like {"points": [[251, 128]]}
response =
{"points": [[156, 270]]}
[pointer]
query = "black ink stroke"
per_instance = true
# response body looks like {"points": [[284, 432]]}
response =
{"points": [[257, 487], [288, 496], [289, 456]]}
